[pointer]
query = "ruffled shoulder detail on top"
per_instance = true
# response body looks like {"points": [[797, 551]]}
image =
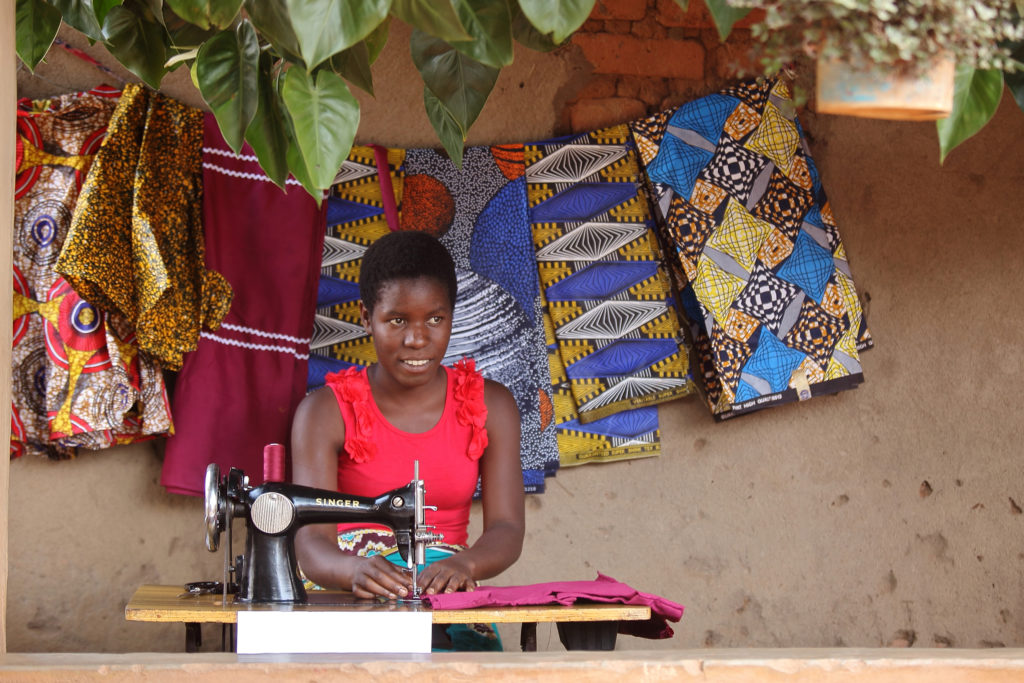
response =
{"points": [[350, 386], [471, 411]]}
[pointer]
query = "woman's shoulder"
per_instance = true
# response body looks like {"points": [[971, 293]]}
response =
{"points": [[472, 385], [349, 385]]}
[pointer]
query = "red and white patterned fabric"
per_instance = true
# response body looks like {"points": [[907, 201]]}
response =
{"points": [[237, 392]]}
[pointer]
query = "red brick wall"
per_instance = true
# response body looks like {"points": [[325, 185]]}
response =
{"points": [[649, 55]]}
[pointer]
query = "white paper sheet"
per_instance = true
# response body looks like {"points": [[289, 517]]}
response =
{"points": [[275, 632]]}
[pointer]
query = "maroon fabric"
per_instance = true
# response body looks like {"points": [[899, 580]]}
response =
{"points": [[238, 390], [603, 589]]}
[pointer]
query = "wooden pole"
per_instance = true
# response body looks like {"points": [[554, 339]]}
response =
{"points": [[8, 95]]}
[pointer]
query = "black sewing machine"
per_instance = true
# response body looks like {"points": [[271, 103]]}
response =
{"points": [[274, 511]]}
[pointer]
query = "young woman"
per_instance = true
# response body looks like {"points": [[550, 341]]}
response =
{"points": [[362, 432]]}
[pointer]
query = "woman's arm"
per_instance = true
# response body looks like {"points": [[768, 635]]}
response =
{"points": [[501, 476], [318, 434]]}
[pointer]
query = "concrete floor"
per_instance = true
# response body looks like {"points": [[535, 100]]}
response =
{"points": [[889, 515]]}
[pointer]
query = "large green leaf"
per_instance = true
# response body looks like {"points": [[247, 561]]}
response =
{"points": [[489, 22], [724, 15], [325, 117], [80, 15], [436, 17], [268, 132], [138, 41], [227, 67], [448, 130], [297, 166], [326, 27], [527, 34], [976, 96], [206, 13], [270, 17], [153, 10], [186, 37], [102, 8], [557, 19], [377, 39], [460, 83], [353, 65], [36, 25]]}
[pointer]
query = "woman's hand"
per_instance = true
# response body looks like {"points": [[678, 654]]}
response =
{"points": [[376, 577], [447, 576]]}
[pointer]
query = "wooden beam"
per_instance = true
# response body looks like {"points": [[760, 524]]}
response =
{"points": [[8, 94]]}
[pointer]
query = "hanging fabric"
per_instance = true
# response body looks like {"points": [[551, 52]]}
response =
{"points": [[77, 377], [238, 390], [611, 303], [773, 309], [135, 246], [628, 434], [480, 214]]}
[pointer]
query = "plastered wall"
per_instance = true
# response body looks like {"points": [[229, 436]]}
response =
{"points": [[889, 515]]}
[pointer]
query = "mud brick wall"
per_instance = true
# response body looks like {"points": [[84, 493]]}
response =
{"points": [[649, 55]]}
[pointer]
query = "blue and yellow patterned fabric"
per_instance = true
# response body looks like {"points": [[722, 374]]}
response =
{"points": [[611, 306], [767, 287]]}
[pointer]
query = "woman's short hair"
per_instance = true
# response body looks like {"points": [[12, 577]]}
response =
{"points": [[405, 255]]}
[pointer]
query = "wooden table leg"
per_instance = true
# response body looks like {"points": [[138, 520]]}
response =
{"points": [[528, 636]]}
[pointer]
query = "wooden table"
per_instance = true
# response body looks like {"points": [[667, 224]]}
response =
{"points": [[582, 626]]}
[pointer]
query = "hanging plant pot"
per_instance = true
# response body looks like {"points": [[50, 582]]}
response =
{"points": [[870, 92]]}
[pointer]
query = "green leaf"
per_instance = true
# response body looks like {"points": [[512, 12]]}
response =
{"points": [[153, 10], [377, 39], [227, 67], [206, 13], [724, 15], [326, 27], [297, 166], [79, 14], [36, 26], [490, 24], [976, 96], [1015, 82], [354, 66], [448, 131], [102, 8], [325, 117], [268, 132], [1015, 79], [436, 17], [270, 17], [460, 83], [527, 34], [136, 40], [557, 19], [186, 37]]}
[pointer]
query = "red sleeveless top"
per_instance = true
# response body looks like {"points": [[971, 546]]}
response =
{"points": [[378, 457]]}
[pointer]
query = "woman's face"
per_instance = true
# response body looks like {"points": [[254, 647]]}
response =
{"points": [[411, 324]]}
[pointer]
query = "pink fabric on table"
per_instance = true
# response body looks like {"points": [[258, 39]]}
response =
{"points": [[238, 390], [602, 589]]}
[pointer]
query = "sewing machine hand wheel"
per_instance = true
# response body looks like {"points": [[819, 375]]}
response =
{"points": [[214, 517]]}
